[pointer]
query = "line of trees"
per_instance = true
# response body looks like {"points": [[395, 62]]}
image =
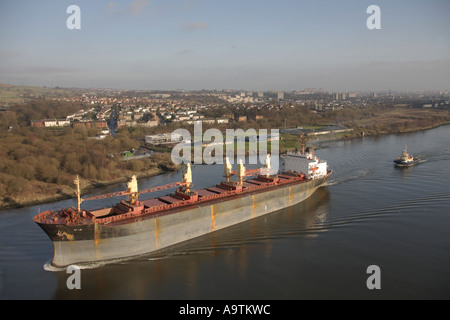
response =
{"points": [[35, 160], [21, 114]]}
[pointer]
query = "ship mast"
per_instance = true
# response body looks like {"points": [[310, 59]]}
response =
{"points": [[78, 192], [303, 144]]}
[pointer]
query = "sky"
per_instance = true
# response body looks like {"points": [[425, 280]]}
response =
{"points": [[255, 45]]}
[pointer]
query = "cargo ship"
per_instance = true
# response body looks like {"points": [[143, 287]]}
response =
{"points": [[135, 227]]}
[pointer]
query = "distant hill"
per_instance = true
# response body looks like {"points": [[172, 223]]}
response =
{"points": [[17, 94]]}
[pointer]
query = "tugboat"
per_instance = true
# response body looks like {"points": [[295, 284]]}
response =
{"points": [[405, 160]]}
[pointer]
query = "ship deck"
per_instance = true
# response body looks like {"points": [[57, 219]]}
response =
{"points": [[169, 204], [125, 212]]}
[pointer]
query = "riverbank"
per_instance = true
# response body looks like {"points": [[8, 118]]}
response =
{"points": [[395, 121], [399, 120], [40, 193], [318, 141]]}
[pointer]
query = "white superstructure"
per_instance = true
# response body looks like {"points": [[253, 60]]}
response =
{"points": [[306, 163]]}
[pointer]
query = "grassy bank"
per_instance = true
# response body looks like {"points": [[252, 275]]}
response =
{"points": [[393, 121], [37, 192]]}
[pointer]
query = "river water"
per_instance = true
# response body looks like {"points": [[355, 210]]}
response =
{"points": [[370, 213]]}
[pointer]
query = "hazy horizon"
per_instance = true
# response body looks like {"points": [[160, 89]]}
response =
{"points": [[217, 45]]}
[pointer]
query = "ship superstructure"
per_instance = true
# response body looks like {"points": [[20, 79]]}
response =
{"points": [[306, 163]]}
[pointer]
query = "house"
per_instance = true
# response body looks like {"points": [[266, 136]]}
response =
{"points": [[91, 124], [50, 123], [36, 123]]}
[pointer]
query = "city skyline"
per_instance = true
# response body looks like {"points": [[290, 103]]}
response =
{"points": [[248, 45]]}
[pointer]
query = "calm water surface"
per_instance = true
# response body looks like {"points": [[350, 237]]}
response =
{"points": [[370, 213]]}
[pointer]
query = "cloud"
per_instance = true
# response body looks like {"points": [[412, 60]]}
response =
{"points": [[186, 5], [409, 63], [186, 51], [137, 7], [49, 70], [111, 7], [9, 53], [141, 7], [194, 26]]}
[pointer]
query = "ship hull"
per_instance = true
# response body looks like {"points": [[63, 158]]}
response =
{"points": [[102, 242], [400, 163]]}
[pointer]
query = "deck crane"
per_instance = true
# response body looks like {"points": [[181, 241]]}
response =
{"points": [[132, 191]]}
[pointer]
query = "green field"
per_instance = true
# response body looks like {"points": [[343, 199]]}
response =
{"points": [[18, 94]]}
